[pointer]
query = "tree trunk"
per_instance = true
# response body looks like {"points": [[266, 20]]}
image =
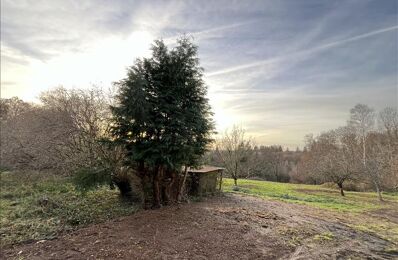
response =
{"points": [[168, 187], [165, 193], [220, 180], [340, 184], [182, 184], [124, 188], [236, 174], [378, 191], [142, 175], [364, 150], [173, 190], [145, 202], [156, 187]]}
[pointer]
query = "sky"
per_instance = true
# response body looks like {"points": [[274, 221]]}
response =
{"points": [[280, 69]]}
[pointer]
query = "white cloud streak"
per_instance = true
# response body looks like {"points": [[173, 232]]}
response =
{"points": [[300, 53], [204, 34]]}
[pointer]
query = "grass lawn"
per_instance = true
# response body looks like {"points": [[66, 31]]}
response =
{"points": [[359, 210], [36, 205], [313, 195]]}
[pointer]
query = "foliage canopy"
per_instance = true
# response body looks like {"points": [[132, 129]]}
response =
{"points": [[162, 116]]}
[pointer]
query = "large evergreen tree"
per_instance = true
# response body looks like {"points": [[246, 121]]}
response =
{"points": [[163, 118]]}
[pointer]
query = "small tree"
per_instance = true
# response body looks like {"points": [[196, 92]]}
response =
{"points": [[233, 149], [388, 125], [362, 119], [377, 160], [328, 164], [347, 157], [331, 157]]}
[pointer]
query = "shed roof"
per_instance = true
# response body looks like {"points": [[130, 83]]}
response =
{"points": [[205, 169]]}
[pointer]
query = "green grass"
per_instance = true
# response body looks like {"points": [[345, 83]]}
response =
{"points": [[324, 237], [355, 210], [313, 195], [379, 228], [38, 206]]}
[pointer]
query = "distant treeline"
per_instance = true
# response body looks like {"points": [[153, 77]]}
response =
{"points": [[270, 163], [362, 155]]}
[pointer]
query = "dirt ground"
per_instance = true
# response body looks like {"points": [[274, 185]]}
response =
{"points": [[226, 227]]}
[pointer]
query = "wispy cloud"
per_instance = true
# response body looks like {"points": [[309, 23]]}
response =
{"points": [[281, 68], [301, 53], [352, 39], [210, 32]]}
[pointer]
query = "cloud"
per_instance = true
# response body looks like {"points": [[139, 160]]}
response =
{"points": [[209, 32], [301, 54], [47, 44], [281, 68], [42, 29]]}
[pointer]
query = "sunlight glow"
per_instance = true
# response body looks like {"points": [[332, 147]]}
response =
{"points": [[105, 62]]}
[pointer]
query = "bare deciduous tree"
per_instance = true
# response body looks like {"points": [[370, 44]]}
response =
{"points": [[388, 124], [377, 161], [61, 133], [28, 135], [233, 149], [331, 157], [362, 119], [86, 116]]}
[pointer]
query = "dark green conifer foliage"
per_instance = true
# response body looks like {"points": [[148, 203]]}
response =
{"points": [[163, 117]]}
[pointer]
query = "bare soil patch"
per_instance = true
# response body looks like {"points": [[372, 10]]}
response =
{"points": [[390, 214], [227, 227]]}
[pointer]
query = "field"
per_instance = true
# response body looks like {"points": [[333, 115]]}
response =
{"points": [[44, 217], [360, 210], [314, 195]]}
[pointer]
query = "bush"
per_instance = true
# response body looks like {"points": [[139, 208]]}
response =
{"points": [[39, 205], [4, 168], [357, 186], [129, 185], [86, 179]]}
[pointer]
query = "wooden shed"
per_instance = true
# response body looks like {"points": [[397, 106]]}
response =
{"points": [[205, 180]]}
